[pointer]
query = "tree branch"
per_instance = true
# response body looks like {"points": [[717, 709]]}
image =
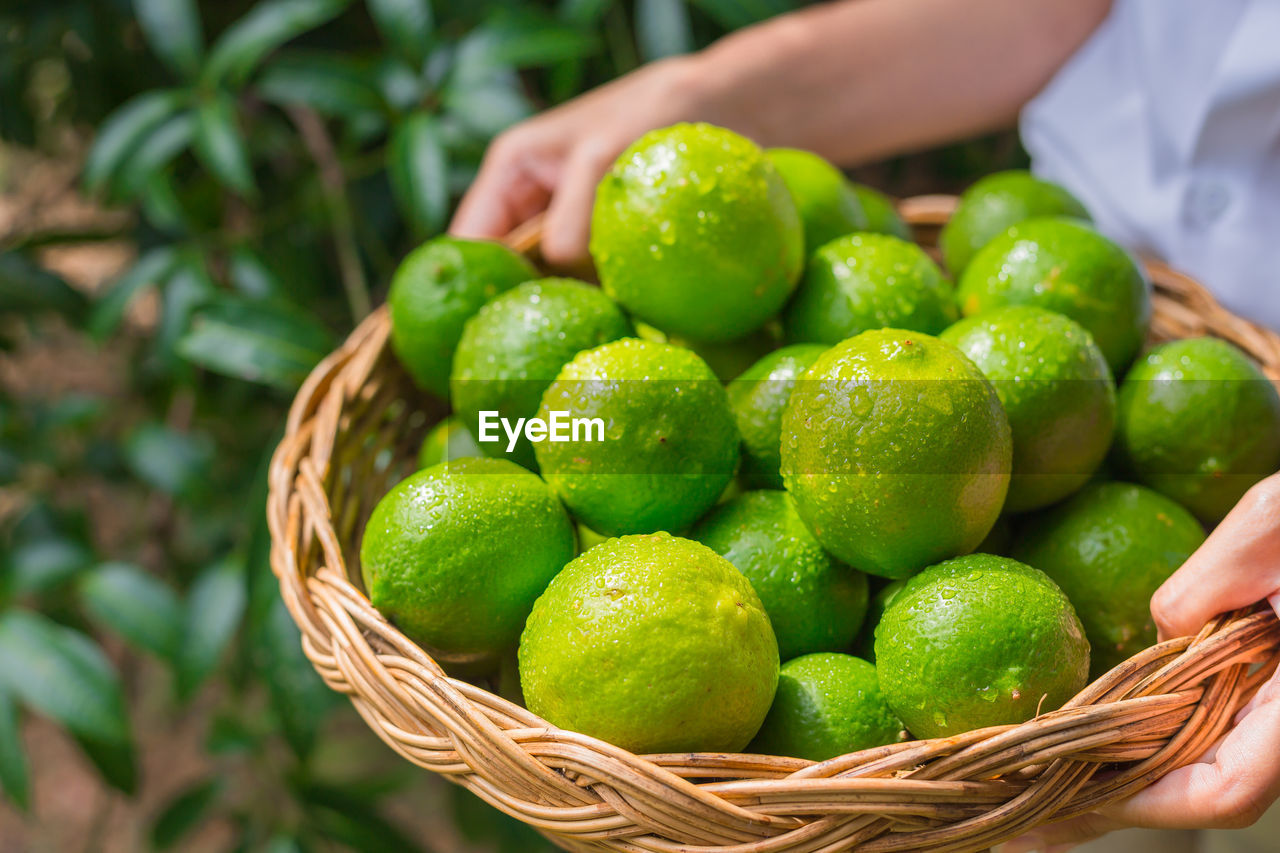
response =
{"points": [[334, 183]]}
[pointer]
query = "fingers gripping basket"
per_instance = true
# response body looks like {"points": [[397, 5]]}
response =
{"points": [[352, 433]]}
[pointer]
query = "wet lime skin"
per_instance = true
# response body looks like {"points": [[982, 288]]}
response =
{"points": [[515, 345], [1109, 548], [882, 215], [1199, 422], [653, 643], [435, 291], [758, 398], [865, 646], [827, 705], [868, 281], [447, 440], [694, 231], [439, 561], [1056, 389], [897, 452], [815, 602], [670, 443], [825, 199], [994, 203], [979, 641], [1064, 265]]}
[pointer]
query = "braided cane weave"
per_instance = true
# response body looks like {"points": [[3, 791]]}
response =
{"points": [[352, 433]]}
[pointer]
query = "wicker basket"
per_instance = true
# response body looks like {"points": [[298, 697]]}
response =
{"points": [[352, 433]]}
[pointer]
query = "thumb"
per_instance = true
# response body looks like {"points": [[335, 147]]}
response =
{"points": [[1238, 564]]}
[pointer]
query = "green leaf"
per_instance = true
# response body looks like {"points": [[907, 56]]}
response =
{"points": [[122, 131], [258, 342], [154, 154], [405, 24], [62, 674], [251, 275], [137, 606], [735, 14], [532, 40], [399, 85], [188, 287], [482, 823], [282, 844], [172, 28], [161, 207], [584, 13], [488, 109], [263, 29], [214, 607], [480, 94], [173, 462], [299, 696], [27, 288], [352, 821], [115, 760], [183, 813], [220, 145], [151, 269], [330, 85], [418, 167], [229, 735], [45, 564], [663, 28], [15, 780]]}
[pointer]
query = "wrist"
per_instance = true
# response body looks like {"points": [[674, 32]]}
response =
{"points": [[684, 87], [742, 81]]}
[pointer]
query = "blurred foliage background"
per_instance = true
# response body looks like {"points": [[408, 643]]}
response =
{"points": [[199, 200]]}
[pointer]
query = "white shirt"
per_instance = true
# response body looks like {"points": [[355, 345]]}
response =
{"points": [[1166, 125]]}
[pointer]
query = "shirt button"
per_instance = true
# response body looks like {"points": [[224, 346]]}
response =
{"points": [[1204, 203]]}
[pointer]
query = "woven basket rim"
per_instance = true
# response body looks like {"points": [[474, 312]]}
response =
{"points": [[1155, 712]]}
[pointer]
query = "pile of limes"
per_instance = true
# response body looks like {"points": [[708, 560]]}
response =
{"points": [[686, 509]]}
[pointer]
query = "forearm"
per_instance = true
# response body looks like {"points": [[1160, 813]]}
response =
{"points": [[862, 79]]}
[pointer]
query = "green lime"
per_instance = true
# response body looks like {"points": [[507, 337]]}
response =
{"points": [[758, 398], [1106, 471], [1109, 548], [1199, 422], [588, 538], [897, 451], [827, 705], [694, 231], [1066, 266], [815, 603], [999, 539], [439, 560], [436, 289], [881, 212], [730, 492], [828, 206], [865, 645], [1057, 391], [869, 281], [446, 441], [979, 641], [515, 345], [669, 445], [994, 203], [727, 359], [653, 643], [506, 683]]}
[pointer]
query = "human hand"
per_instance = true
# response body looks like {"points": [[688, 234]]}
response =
{"points": [[553, 161], [1231, 785]]}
